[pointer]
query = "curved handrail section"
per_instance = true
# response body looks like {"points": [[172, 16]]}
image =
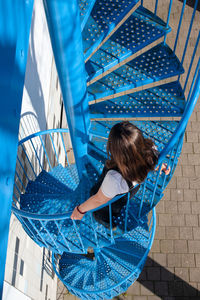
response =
{"points": [[127, 280]]}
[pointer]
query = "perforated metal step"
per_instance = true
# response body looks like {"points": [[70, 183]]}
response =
{"points": [[112, 270], [103, 21], [141, 29], [154, 65], [85, 7], [162, 101]]}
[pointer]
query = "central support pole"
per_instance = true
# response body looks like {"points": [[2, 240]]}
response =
{"points": [[65, 31]]}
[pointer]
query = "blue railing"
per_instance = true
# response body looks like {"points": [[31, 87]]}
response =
{"points": [[125, 283]]}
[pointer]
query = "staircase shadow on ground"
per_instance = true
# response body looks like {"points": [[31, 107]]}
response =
{"points": [[165, 284]]}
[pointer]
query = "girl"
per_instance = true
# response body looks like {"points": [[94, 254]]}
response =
{"points": [[130, 158]]}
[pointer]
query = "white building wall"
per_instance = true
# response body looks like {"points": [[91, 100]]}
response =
{"points": [[41, 109]]}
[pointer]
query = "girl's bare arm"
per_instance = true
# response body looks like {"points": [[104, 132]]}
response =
{"points": [[93, 202]]}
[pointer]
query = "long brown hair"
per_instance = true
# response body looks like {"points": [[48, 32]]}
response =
{"points": [[130, 152]]}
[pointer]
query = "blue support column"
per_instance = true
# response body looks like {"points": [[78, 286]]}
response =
{"points": [[65, 31], [15, 20]]}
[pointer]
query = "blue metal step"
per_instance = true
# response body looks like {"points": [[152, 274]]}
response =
{"points": [[34, 187], [112, 270], [166, 100], [67, 176], [102, 22], [154, 65], [142, 28], [85, 7], [159, 131]]}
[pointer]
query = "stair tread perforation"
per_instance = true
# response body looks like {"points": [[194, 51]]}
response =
{"points": [[133, 35], [164, 100], [102, 22], [154, 65]]}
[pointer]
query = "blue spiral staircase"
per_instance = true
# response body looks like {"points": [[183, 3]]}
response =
{"points": [[113, 64]]}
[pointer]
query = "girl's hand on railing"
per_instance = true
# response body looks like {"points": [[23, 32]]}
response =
{"points": [[164, 169], [77, 214]]}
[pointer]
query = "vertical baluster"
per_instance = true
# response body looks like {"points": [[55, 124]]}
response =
{"points": [[191, 62], [189, 32], [142, 200], [60, 231], [168, 17], [155, 185], [20, 180], [35, 228], [79, 236], [45, 152], [54, 147], [94, 230], [156, 6], [110, 219], [23, 168], [36, 153], [126, 212], [179, 25], [22, 146], [43, 223], [64, 147], [193, 81]]}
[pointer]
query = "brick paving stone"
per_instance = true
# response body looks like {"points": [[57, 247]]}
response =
{"points": [[186, 233], [187, 148], [176, 195], [191, 137], [160, 232], [160, 258], [196, 232], [188, 260], [196, 207], [167, 274], [178, 220], [160, 207], [190, 195], [171, 207], [194, 159], [153, 273], [188, 171], [194, 183], [146, 288], [197, 260], [161, 288], [166, 195], [175, 288], [183, 183], [198, 194], [154, 297], [184, 207], [178, 172], [194, 274], [140, 298], [134, 289], [197, 170], [173, 260], [182, 273], [183, 159], [156, 246], [191, 220], [167, 246], [194, 246], [196, 146], [164, 219], [180, 246], [172, 183], [172, 233]]}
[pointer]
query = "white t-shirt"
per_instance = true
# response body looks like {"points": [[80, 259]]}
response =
{"points": [[114, 184]]}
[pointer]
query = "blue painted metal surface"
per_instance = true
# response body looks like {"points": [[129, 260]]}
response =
{"points": [[15, 19], [162, 101], [141, 29], [114, 268], [64, 26], [46, 192], [102, 22], [156, 64]]}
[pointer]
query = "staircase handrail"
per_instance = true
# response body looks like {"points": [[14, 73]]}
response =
{"points": [[184, 120]]}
